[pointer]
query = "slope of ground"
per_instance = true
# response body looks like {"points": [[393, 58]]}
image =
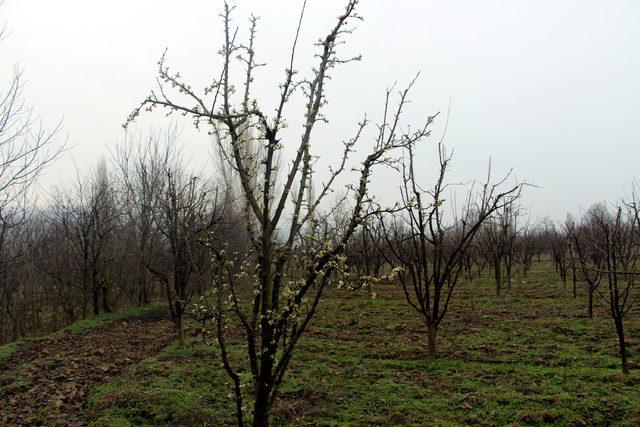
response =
{"points": [[532, 357], [45, 381]]}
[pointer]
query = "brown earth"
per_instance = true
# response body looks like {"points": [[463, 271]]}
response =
{"points": [[47, 381]]}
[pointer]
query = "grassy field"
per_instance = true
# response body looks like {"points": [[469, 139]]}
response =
{"points": [[531, 357]]}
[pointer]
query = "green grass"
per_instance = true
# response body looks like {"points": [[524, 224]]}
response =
{"points": [[529, 358], [7, 350], [173, 388]]}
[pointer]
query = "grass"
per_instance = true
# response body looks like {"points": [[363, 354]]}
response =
{"points": [[7, 350], [105, 318], [529, 358]]}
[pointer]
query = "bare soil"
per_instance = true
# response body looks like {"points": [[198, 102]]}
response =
{"points": [[47, 381]]}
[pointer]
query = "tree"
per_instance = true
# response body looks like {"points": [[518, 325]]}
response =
{"points": [[633, 206], [88, 218], [429, 249], [185, 214], [278, 214], [585, 257], [497, 237], [615, 244], [509, 221], [142, 166], [26, 149], [525, 247], [559, 250], [365, 255]]}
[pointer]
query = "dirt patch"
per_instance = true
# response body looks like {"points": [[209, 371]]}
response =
{"points": [[48, 380], [292, 406]]}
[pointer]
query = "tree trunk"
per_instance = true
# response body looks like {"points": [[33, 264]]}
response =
{"points": [[178, 322], [85, 299], [143, 294], [95, 299], [590, 310], [260, 412], [105, 299], [432, 331], [497, 277], [507, 263], [261, 407], [575, 293], [623, 353]]}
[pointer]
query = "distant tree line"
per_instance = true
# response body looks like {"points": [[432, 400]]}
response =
{"points": [[129, 232]]}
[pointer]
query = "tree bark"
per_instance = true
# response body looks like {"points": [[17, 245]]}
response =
{"points": [[621, 343], [178, 321], [143, 295], [105, 299], [432, 332], [261, 405], [497, 276], [508, 263], [95, 296]]}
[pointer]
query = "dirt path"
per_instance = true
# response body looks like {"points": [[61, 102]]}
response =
{"points": [[47, 381]]}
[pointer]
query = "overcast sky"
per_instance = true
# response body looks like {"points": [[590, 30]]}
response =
{"points": [[549, 88]]}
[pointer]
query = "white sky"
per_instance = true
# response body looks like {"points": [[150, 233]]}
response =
{"points": [[550, 88]]}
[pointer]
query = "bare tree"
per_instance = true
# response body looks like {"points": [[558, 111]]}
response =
{"points": [[365, 254], [509, 221], [16, 247], [633, 205], [497, 237], [142, 166], [585, 256], [525, 247], [429, 249], [560, 247], [88, 218], [26, 149], [278, 213], [616, 246], [186, 212]]}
